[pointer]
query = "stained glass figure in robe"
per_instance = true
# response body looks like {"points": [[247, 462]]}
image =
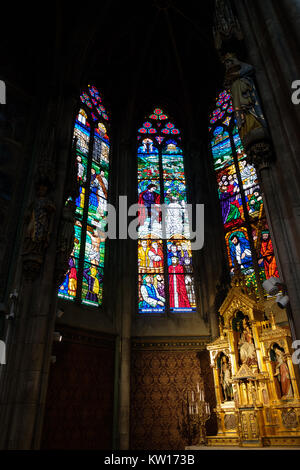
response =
{"points": [[91, 204], [161, 179], [241, 199], [151, 293]]}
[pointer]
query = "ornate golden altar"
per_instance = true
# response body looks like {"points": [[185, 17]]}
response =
{"points": [[256, 382]]}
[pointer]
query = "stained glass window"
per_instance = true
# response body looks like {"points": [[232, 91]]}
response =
{"points": [[84, 279], [165, 268], [247, 234]]}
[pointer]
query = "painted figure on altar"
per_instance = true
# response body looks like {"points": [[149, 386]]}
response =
{"points": [[281, 373], [246, 344], [225, 377], [177, 287]]}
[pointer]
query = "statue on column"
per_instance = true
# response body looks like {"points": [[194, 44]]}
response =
{"points": [[239, 78], [252, 127], [281, 372], [38, 219], [225, 378], [246, 345]]}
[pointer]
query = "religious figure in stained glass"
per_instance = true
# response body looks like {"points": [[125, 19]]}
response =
{"points": [[177, 286], [148, 201], [84, 280], [240, 250], [248, 241], [151, 299], [267, 259], [164, 252]]}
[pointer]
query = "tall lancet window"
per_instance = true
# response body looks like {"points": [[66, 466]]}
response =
{"points": [[247, 234], [166, 281], [84, 279]]}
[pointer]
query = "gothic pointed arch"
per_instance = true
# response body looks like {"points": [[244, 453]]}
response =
{"points": [[165, 268]]}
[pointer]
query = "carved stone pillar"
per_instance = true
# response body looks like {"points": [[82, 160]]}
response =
{"points": [[271, 31], [24, 381], [124, 159]]}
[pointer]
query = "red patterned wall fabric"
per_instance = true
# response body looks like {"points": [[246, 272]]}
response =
{"points": [[159, 380], [79, 406]]}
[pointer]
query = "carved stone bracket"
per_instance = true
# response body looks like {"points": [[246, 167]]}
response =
{"points": [[226, 25], [258, 148]]}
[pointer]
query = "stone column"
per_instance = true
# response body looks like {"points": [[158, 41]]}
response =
{"points": [[24, 382], [124, 162], [271, 31]]}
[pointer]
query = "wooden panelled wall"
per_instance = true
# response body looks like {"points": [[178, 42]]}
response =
{"points": [[161, 373], [79, 407]]}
